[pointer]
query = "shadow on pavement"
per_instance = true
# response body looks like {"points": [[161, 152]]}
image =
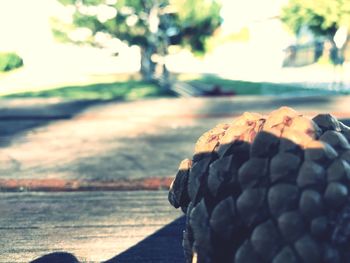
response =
{"points": [[16, 118], [56, 257], [162, 246]]}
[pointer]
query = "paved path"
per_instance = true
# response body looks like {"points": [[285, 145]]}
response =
{"points": [[89, 147], [107, 142]]}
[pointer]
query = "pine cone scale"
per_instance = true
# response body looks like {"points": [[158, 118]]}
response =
{"points": [[270, 189]]}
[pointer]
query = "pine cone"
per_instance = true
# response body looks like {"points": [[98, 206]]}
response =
{"points": [[269, 188]]}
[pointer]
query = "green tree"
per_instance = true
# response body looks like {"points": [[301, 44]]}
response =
{"points": [[322, 17], [10, 61], [153, 25]]}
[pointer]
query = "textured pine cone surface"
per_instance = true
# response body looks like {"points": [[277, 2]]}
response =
{"points": [[267, 188]]}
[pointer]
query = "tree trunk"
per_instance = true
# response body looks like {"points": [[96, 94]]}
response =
{"points": [[148, 67], [154, 71], [157, 44], [165, 78], [345, 48]]}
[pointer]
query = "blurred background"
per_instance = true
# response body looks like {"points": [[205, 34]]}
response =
{"points": [[174, 47], [102, 99]]}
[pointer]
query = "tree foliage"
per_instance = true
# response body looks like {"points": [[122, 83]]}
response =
{"points": [[322, 17], [10, 61], [153, 25]]}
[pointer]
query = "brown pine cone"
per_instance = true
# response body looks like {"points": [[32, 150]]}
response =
{"points": [[269, 188]]}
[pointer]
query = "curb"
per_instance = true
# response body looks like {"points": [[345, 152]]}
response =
{"points": [[61, 185]]}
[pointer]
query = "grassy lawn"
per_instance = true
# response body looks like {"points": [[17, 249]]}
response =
{"points": [[255, 88], [136, 89], [127, 90]]}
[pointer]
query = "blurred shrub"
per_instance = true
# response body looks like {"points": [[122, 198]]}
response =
{"points": [[10, 61]]}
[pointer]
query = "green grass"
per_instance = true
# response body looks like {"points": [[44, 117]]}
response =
{"points": [[128, 90], [136, 89], [254, 88]]}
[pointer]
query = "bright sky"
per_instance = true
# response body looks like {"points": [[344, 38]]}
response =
{"points": [[24, 24], [239, 13]]}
